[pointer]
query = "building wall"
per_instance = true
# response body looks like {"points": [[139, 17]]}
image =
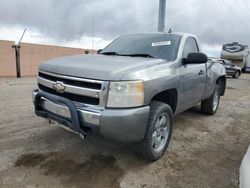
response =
{"points": [[7, 59], [31, 56]]}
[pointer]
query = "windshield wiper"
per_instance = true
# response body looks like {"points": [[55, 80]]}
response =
{"points": [[109, 53], [140, 55], [131, 55]]}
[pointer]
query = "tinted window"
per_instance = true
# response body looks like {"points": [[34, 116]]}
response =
{"points": [[189, 47], [163, 46]]}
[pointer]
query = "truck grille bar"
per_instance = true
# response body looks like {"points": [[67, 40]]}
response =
{"points": [[87, 91]]}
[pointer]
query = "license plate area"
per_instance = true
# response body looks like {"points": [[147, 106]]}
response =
{"points": [[55, 108]]}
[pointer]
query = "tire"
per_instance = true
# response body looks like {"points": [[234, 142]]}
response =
{"points": [[236, 74], [158, 133], [210, 105]]}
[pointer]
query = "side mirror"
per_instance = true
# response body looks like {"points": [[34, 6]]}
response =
{"points": [[99, 51], [195, 58]]}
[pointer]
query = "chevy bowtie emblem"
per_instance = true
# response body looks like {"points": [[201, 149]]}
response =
{"points": [[59, 87]]}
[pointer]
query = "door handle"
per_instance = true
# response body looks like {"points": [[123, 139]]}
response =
{"points": [[201, 73]]}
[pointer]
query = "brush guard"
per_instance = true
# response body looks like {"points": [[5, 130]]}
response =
{"points": [[73, 123]]}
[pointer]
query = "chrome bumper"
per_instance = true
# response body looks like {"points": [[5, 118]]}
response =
{"points": [[89, 117]]}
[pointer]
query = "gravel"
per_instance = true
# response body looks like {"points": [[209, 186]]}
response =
{"points": [[205, 151]]}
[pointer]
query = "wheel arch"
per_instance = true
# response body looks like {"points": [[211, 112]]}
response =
{"points": [[221, 81], [169, 96]]}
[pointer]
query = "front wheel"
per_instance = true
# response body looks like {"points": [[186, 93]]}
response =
{"points": [[210, 105], [158, 133], [237, 74]]}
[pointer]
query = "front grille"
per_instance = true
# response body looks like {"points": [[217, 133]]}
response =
{"points": [[76, 89], [71, 82], [72, 97]]}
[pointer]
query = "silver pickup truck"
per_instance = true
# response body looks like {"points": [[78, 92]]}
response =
{"points": [[131, 90]]}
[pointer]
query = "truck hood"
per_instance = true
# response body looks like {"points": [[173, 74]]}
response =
{"points": [[100, 67]]}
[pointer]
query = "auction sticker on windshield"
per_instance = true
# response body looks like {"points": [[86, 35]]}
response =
{"points": [[162, 43]]}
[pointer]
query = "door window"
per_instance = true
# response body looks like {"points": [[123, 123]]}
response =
{"points": [[189, 47]]}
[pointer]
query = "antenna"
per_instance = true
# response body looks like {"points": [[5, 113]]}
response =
{"points": [[22, 36]]}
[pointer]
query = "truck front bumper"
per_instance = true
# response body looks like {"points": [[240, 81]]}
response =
{"points": [[128, 125]]}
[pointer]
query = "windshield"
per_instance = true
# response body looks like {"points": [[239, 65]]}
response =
{"points": [[162, 46]]}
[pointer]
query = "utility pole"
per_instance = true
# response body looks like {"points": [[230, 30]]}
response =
{"points": [[17, 54], [162, 14], [93, 34]]}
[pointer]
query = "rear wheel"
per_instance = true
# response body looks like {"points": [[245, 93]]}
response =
{"points": [[237, 74], [158, 133], [210, 105]]}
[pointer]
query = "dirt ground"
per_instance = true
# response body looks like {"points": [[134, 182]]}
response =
{"points": [[205, 151]]}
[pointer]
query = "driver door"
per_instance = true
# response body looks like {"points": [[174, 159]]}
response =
{"points": [[192, 77]]}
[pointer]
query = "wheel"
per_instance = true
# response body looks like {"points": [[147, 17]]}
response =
{"points": [[237, 74], [210, 105], [158, 133]]}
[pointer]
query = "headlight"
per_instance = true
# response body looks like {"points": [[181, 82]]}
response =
{"points": [[125, 94]]}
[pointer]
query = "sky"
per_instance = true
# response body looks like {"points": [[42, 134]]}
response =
{"points": [[76, 23]]}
